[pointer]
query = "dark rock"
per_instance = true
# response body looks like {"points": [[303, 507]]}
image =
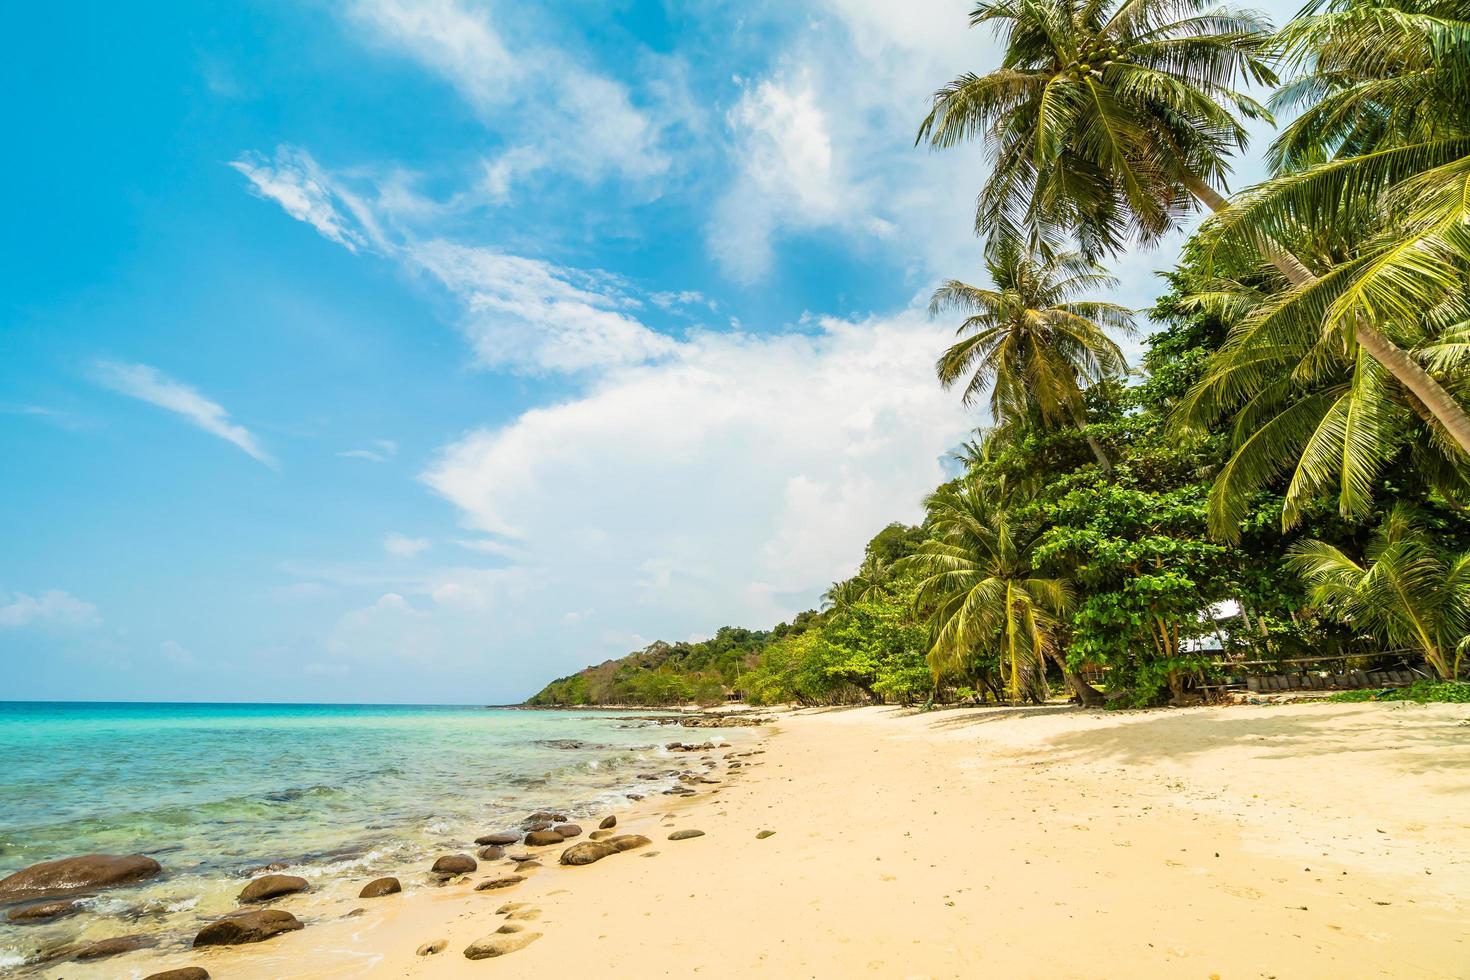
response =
{"points": [[523, 856], [538, 826], [247, 927], [454, 864], [568, 830], [510, 929], [500, 839], [183, 973], [68, 875], [112, 947], [635, 797], [272, 886], [587, 852], [495, 884], [493, 852], [354, 913], [379, 887], [685, 834], [499, 945], [527, 866], [43, 911], [626, 842], [545, 816], [600, 834], [429, 949], [543, 838], [608, 823], [764, 834]]}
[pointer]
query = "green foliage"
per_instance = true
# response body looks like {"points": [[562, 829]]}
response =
{"points": [[1420, 692], [1406, 590]]}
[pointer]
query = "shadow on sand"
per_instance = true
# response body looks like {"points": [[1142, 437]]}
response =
{"points": [[1431, 742]]}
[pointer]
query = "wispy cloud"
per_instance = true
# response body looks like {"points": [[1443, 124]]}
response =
{"points": [[382, 451], [150, 385], [524, 314], [295, 182], [50, 608], [403, 546], [601, 132]]}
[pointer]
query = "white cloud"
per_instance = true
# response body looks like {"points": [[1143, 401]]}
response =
{"points": [[295, 182], [50, 608], [787, 175], [529, 314], [150, 385], [382, 451], [523, 314], [597, 131], [402, 546], [730, 482]]}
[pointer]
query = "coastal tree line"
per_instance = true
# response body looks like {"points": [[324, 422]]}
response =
{"points": [[1294, 446]]}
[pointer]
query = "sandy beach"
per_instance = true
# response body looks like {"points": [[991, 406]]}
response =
{"points": [[1306, 840]]}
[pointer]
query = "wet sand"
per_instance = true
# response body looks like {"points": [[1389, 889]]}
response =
{"points": [[1310, 840]]}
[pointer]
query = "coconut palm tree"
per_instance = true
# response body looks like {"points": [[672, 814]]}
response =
{"points": [[983, 594], [1330, 420], [866, 585], [1403, 592], [1110, 120], [1381, 140], [1030, 340]]}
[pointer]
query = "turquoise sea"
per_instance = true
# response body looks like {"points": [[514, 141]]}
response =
{"points": [[214, 790]]}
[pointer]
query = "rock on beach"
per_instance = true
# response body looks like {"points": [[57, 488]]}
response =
{"points": [[379, 887], [587, 852], [247, 927], [498, 945], [454, 864]]}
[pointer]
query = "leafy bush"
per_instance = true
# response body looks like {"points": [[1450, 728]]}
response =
{"points": [[1420, 692]]}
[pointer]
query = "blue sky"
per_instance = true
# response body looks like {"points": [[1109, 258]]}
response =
{"points": [[424, 350]]}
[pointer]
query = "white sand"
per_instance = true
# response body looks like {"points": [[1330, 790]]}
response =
{"points": [[1309, 840]]}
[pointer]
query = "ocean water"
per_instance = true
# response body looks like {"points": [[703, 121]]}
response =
{"points": [[337, 791]]}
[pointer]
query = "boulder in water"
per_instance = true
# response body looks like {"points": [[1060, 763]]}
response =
{"points": [[247, 927], [272, 886], [43, 911], [111, 947], [503, 839], [76, 874]]}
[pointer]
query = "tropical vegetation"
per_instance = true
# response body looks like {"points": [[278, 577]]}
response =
{"points": [[1281, 479]]}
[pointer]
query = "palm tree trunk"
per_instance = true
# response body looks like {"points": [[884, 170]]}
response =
{"points": [[1087, 695], [1450, 413], [1097, 449]]}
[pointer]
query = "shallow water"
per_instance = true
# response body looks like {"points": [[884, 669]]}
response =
{"points": [[214, 790]]}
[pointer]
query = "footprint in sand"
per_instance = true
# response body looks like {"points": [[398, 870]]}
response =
{"points": [[1242, 891]]}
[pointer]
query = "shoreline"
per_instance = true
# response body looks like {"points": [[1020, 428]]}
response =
{"points": [[1313, 840]]}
